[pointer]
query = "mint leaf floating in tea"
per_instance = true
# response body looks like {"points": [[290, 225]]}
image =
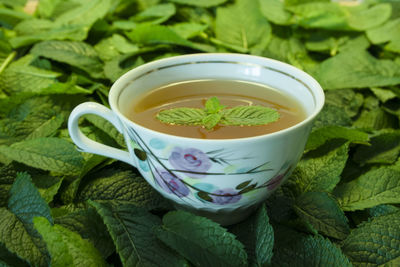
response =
{"points": [[214, 113]]}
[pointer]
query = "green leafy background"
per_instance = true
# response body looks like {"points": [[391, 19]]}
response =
{"points": [[62, 207]]}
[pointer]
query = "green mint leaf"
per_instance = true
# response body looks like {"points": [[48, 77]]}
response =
{"points": [[211, 120], [369, 18], [113, 69], [348, 100], [112, 184], [16, 239], [201, 241], [332, 115], [257, 235], [363, 70], [9, 259], [365, 244], [67, 248], [34, 30], [156, 14], [47, 186], [26, 202], [241, 24], [388, 32], [274, 11], [249, 115], [132, 230], [77, 54], [188, 30], [319, 170], [26, 79], [213, 105], [324, 134], [378, 186], [89, 225], [107, 128], [296, 249], [384, 148], [147, 34], [204, 3], [17, 232], [182, 116], [323, 213], [37, 117], [85, 13], [114, 46], [50, 153]]}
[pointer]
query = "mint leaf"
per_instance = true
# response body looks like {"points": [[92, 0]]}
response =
{"points": [[26, 79], [53, 154], [348, 100], [295, 249], [182, 116], [257, 235], [211, 120], [384, 149], [378, 186], [213, 105], [364, 19], [26, 202], [156, 14], [387, 33], [89, 225], [365, 244], [132, 230], [324, 134], [319, 170], [37, 117], [77, 54], [85, 13], [241, 24], [34, 30], [323, 213], [109, 48], [203, 3], [274, 11], [17, 240], [112, 184], [249, 115], [158, 34], [200, 240], [107, 128], [17, 232], [8, 258], [67, 248], [188, 30], [332, 115], [357, 69]]}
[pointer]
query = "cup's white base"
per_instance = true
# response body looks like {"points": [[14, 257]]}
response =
{"points": [[223, 217]]}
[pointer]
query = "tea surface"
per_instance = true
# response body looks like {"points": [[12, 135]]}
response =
{"points": [[193, 94]]}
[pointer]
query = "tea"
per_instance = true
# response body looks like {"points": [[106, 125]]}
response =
{"points": [[231, 93]]}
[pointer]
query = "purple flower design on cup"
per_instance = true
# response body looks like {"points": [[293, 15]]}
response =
{"points": [[195, 162], [170, 183], [277, 180], [225, 196]]}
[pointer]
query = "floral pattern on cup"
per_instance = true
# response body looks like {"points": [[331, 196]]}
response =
{"points": [[170, 183], [190, 160], [225, 196], [277, 179]]}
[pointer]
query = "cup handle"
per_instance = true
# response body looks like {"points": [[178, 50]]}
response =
{"points": [[88, 145]]}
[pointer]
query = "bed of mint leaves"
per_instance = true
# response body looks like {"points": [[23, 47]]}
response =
{"points": [[62, 207]]}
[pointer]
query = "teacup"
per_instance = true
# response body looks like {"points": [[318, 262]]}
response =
{"points": [[223, 179]]}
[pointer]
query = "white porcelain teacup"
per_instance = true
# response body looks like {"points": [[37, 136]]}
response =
{"points": [[201, 175]]}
